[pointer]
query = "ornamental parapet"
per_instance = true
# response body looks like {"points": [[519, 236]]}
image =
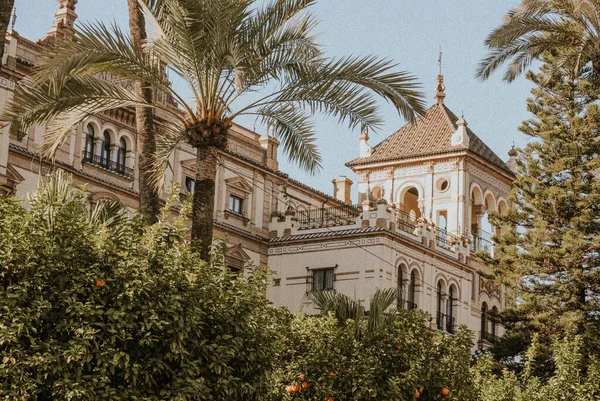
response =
{"points": [[370, 214]]}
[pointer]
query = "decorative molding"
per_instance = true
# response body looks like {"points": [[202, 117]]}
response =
{"points": [[492, 288], [500, 187], [411, 171]]}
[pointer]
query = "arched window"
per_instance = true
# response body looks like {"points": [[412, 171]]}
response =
{"points": [[484, 318], [440, 306], [450, 312], [105, 149], [412, 287], [494, 321], [400, 300], [89, 143], [122, 154]]}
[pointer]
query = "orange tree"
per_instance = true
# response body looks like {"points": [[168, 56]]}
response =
{"points": [[325, 358], [97, 307]]}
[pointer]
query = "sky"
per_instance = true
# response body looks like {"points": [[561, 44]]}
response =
{"points": [[410, 32]]}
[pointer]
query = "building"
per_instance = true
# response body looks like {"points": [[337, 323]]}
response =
{"points": [[424, 194]]}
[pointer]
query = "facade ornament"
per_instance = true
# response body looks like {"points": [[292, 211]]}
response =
{"points": [[440, 92]]}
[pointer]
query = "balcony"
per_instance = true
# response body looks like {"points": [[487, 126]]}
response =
{"points": [[483, 243], [445, 322], [328, 217], [99, 161]]}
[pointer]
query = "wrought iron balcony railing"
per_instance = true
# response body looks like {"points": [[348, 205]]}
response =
{"points": [[97, 160], [483, 243], [328, 216]]}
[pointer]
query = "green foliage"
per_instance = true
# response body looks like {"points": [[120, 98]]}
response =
{"points": [[550, 251], [574, 379], [93, 307], [390, 362], [536, 27]]}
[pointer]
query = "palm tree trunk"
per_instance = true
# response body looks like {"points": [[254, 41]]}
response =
{"points": [[204, 200], [149, 201], [6, 7]]}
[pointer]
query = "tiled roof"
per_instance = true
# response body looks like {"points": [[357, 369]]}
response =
{"points": [[429, 135], [238, 230]]}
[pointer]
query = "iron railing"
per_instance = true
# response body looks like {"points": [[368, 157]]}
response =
{"points": [[406, 222], [445, 322], [97, 160], [483, 243], [328, 216], [445, 240]]}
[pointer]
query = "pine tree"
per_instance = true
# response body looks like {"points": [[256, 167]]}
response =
{"points": [[550, 249]]}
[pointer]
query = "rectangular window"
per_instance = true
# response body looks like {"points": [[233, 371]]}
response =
{"points": [[190, 185], [235, 204], [322, 279]]}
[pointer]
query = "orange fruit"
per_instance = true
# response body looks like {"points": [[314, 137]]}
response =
{"points": [[332, 373], [398, 347], [100, 283], [295, 388], [445, 391], [417, 394], [301, 376], [305, 385], [330, 399]]}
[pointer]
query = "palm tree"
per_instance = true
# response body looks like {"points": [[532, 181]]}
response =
{"points": [[568, 28], [6, 7], [344, 309], [235, 59], [149, 201]]}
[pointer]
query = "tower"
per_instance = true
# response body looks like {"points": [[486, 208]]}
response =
{"points": [[64, 21]]}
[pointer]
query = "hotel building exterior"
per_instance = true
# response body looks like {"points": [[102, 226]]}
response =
{"points": [[420, 221]]}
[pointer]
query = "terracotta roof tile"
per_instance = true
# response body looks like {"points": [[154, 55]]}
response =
{"points": [[429, 135]]}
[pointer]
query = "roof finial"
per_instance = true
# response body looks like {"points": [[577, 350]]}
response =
{"points": [[14, 19], [439, 93]]}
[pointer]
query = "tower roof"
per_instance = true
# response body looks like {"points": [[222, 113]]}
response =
{"points": [[64, 21], [429, 135]]}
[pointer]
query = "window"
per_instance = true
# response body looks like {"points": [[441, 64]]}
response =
{"points": [[235, 204], [443, 185], [190, 185], [89, 143], [494, 321], [122, 153], [322, 279], [105, 150], [483, 321]]}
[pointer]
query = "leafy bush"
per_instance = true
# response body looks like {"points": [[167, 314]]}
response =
{"points": [[392, 362], [95, 306], [575, 377]]}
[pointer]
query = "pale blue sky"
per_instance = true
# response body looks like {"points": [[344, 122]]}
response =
{"points": [[407, 31]]}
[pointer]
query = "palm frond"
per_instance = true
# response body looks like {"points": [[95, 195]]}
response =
{"points": [[109, 215], [380, 302], [295, 131], [377, 75]]}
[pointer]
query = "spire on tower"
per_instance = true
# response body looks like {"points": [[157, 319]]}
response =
{"points": [[13, 19], [64, 20], [440, 93]]}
